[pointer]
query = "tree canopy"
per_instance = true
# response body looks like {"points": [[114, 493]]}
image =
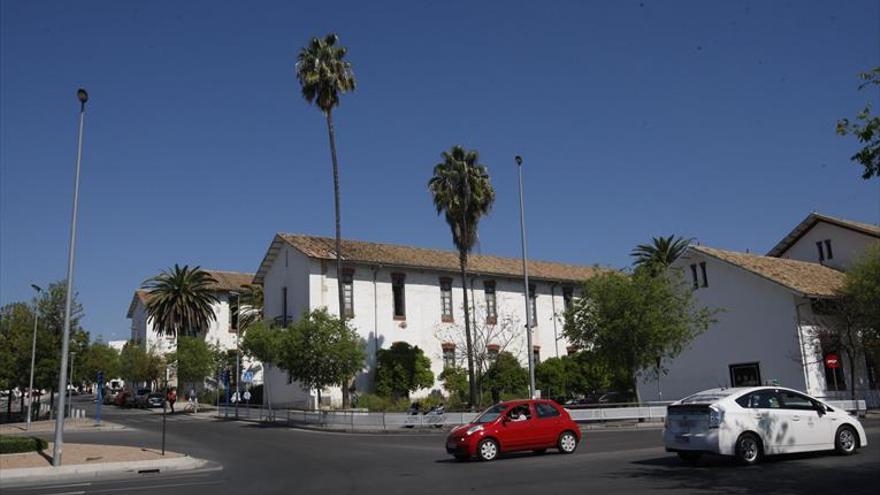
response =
{"points": [[866, 129], [323, 72], [660, 253], [138, 365], [181, 300], [506, 378], [402, 369]]}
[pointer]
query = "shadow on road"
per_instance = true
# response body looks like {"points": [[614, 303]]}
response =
{"points": [[819, 472]]}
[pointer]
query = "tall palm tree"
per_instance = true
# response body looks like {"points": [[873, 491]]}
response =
{"points": [[324, 75], [660, 253], [180, 301], [250, 309], [463, 193]]}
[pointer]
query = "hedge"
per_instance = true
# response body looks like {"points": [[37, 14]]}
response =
{"points": [[12, 445]]}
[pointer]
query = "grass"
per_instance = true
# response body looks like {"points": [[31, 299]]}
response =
{"points": [[16, 444]]}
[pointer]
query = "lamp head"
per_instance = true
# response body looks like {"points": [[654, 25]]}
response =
{"points": [[518, 159], [82, 96], [37, 287]]}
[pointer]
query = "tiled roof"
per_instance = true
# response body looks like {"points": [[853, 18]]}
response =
{"points": [[323, 248], [809, 279], [226, 281], [814, 218]]}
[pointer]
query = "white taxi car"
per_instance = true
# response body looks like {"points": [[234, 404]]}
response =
{"points": [[752, 422]]}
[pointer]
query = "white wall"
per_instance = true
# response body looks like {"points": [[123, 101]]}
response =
{"points": [[846, 245], [315, 282], [759, 324]]}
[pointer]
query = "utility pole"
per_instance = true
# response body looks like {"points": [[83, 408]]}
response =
{"points": [[522, 228], [33, 356], [58, 446]]}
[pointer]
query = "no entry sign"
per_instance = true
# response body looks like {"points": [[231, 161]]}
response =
{"points": [[832, 361]]}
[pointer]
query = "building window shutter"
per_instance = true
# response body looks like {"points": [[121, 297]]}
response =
{"points": [[398, 287]]}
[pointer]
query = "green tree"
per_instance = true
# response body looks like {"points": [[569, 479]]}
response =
{"points": [[463, 193], [660, 253], [455, 382], [506, 378], [324, 75], [99, 357], [139, 366], [180, 301], [402, 369], [250, 309], [263, 343], [866, 129], [554, 377], [636, 320], [319, 352], [194, 359]]}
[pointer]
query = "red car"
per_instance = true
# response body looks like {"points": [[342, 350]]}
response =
{"points": [[512, 426]]}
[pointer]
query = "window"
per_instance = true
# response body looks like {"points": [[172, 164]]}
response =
{"points": [[284, 307], [791, 400], [533, 305], [828, 252], [448, 355], [536, 354], [492, 352], [233, 300], [745, 375], [546, 410], [520, 413], [694, 276], [491, 304], [703, 271], [348, 292], [398, 288], [567, 297], [446, 299], [760, 399], [821, 251], [834, 377]]}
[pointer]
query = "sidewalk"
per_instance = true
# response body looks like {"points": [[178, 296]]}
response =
{"points": [[70, 424], [87, 461]]}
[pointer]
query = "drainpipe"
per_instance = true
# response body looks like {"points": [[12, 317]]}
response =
{"points": [[797, 310], [553, 306]]}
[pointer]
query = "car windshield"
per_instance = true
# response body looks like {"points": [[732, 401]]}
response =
{"points": [[706, 397], [491, 414]]}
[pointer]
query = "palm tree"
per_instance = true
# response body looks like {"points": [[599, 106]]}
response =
{"points": [[463, 193], [180, 301], [323, 76], [250, 309], [660, 253]]}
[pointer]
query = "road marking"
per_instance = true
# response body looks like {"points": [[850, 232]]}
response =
{"points": [[67, 493], [54, 487]]}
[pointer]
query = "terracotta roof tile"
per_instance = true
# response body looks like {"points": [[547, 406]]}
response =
{"points": [[435, 259], [809, 279]]}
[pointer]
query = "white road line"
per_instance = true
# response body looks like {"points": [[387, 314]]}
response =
{"points": [[67, 493]]}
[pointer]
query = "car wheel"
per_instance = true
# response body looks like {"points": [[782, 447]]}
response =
{"points": [[690, 456], [567, 442], [487, 450], [748, 449], [845, 440]]}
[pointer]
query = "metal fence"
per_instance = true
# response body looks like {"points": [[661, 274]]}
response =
{"points": [[391, 421]]}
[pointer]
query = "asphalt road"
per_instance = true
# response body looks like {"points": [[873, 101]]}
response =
{"points": [[268, 460]]}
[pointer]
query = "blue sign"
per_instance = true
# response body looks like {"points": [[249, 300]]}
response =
{"points": [[247, 377]]}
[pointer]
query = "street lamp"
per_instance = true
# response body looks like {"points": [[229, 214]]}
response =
{"points": [[522, 229], [237, 321], [38, 289], [58, 445]]}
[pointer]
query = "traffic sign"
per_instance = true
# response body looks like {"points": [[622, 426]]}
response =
{"points": [[832, 361], [247, 377]]}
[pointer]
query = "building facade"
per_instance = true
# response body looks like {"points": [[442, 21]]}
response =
{"points": [[400, 293], [771, 325], [222, 331]]}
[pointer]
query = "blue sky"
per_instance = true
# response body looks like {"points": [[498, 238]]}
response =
{"points": [[635, 118]]}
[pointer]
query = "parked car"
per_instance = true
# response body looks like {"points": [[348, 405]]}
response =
{"points": [[752, 422], [122, 398], [139, 398], [617, 398], [535, 425], [154, 400], [110, 396]]}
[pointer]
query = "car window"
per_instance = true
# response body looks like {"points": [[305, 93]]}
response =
{"points": [[519, 413], [792, 400], [760, 399], [546, 410], [491, 414]]}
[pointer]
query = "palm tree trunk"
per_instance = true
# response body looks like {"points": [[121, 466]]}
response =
{"points": [[462, 260], [331, 131]]}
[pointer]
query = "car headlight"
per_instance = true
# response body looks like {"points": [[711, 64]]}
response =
{"points": [[474, 429], [714, 417]]}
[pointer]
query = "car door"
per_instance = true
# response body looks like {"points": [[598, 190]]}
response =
{"points": [[810, 430], [548, 424], [765, 408], [517, 434]]}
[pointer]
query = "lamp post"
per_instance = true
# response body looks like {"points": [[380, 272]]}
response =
{"points": [[70, 387], [38, 289], [522, 229], [237, 322], [58, 446]]}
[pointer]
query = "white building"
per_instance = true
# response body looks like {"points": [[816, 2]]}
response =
{"points": [[768, 329], [223, 331], [400, 293]]}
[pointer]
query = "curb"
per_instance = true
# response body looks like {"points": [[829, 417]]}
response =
{"points": [[90, 427], [79, 472]]}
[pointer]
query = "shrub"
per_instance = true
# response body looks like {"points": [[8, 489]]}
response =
{"points": [[12, 445]]}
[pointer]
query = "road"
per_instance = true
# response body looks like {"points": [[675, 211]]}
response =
{"points": [[268, 460]]}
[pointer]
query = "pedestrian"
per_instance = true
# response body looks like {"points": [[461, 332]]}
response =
{"points": [[171, 397]]}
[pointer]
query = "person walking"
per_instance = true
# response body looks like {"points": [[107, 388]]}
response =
{"points": [[171, 397]]}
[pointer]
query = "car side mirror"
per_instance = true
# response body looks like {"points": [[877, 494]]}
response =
{"points": [[820, 408]]}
